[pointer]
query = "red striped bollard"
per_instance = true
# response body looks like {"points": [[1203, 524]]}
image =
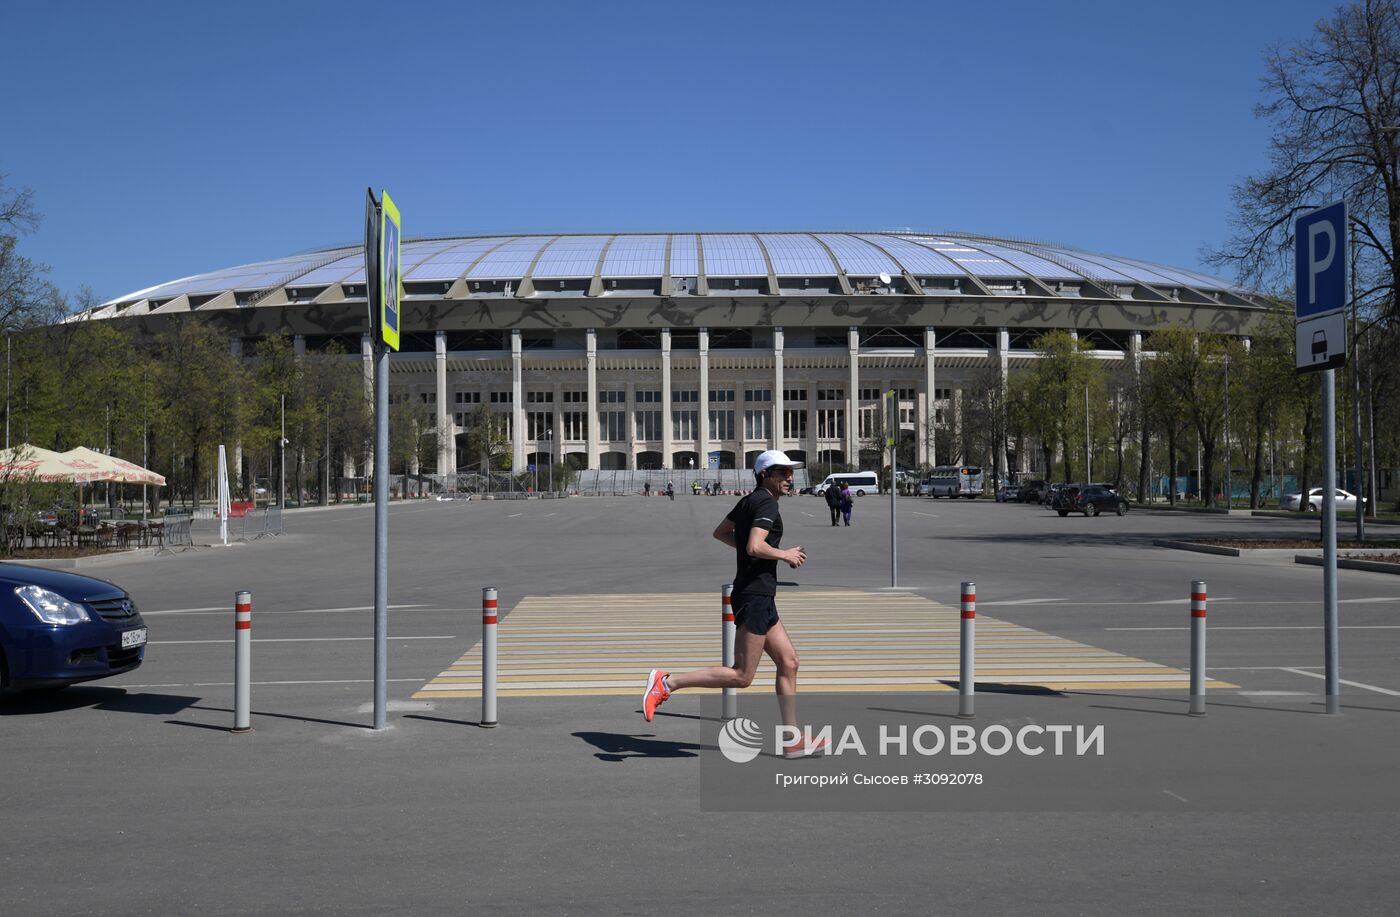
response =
{"points": [[1198, 648], [242, 661], [488, 656], [730, 705], [967, 650]]}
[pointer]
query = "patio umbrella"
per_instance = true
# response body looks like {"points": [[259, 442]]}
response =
{"points": [[223, 494], [88, 465], [43, 464]]}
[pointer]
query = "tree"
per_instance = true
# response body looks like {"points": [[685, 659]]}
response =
{"points": [[1189, 372], [27, 299], [1052, 395], [486, 437], [1334, 103], [201, 385]]}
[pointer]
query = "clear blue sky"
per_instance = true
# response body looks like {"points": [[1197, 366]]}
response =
{"points": [[167, 139]]}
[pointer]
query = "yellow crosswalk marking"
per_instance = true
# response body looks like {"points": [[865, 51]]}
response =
{"points": [[579, 645]]}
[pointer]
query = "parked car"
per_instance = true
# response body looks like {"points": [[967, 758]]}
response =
{"points": [[1089, 499], [1344, 500], [57, 628], [1006, 492], [1030, 491]]}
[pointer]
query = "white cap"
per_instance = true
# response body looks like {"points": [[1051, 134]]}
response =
{"points": [[770, 458]]}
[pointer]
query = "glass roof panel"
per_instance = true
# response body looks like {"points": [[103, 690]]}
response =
{"points": [[796, 255], [1179, 275], [974, 260], [337, 271], [449, 263], [571, 256], [732, 255], [635, 256], [1023, 262], [1076, 260], [510, 261], [264, 275], [1123, 269], [858, 256], [683, 256], [916, 259]]}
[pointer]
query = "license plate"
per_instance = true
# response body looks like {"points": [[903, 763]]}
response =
{"points": [[135, 637]]}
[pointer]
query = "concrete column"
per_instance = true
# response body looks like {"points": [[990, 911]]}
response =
{"points": [[556, 443], [812, 419], [299, 345], [852, 398], [517, 404], [447, 441], [928, 411], [667, 439], [1003, 358], [594, 460], [630, 406], [236, 348], [740, 441], [776, 421], [1135, 348], [703, 438]]}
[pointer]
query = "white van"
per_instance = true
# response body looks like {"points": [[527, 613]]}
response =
{"points": [[860, 483]]}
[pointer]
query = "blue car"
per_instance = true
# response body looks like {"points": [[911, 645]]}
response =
{"points": [[58, 628]]}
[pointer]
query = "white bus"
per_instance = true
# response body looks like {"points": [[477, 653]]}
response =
{"points": [[860, 483], [953, 481]]}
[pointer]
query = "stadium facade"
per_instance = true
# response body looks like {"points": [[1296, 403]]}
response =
{"points": [[698, 350]]}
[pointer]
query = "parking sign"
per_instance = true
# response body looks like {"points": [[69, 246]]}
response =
{"points": [[1321, 255]]}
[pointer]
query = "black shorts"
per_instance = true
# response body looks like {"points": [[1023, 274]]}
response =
{"points": [[755, 613]]}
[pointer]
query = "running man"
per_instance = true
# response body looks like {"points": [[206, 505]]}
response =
{"points": [[754, 529]]}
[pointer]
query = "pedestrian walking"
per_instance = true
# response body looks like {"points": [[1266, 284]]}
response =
{"points": [[847, 504], [671, 490], [695, 488], [753, 530], [833, 503]]}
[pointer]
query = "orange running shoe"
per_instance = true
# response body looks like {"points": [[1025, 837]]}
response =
{"points": [[803, 748], [656, 693]]}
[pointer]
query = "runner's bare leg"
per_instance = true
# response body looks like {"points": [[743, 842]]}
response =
{"points": [[779, 648], [748, 650]]}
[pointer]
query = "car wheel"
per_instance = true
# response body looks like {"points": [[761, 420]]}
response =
{"points": [[1122, 509], [1062, 512], [1090, 509]]}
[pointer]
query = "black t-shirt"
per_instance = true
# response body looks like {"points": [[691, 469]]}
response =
{"points": [[760, 508]]}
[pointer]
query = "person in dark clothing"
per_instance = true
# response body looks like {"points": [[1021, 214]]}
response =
{"points": [[833, 503], [754, 530]]}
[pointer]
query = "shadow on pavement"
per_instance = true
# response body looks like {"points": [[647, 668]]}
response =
{"points": [[992, 687], [254, 714], [441, 719], [616, 747], [114, 700]]}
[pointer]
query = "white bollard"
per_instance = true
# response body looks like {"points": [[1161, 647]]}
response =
{"points": [[242, 661], [1198, 648], [488, 656], [727, 628], [967, 650]]}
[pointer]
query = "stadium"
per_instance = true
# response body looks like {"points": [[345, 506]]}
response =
{"points": [[699, 350]]}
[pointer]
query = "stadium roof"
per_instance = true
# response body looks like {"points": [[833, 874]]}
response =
{"points": [[763, 262]]}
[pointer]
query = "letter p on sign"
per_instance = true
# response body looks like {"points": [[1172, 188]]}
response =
{"points": [[1321, 275]]}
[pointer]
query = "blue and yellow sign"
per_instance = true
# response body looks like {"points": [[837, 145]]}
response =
{"points": [[390, 281]]}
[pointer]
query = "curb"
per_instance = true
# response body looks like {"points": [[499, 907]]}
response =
{"points": [[96, 560], [1374, 566], [1225, 551]]}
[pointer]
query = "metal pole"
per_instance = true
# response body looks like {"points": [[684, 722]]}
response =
{"points": [[727, 630], [1229, 482], [242, 661], [282, 460], [1198, 648], [894, 553], [1088, 460], [488, 656], [967, 650], [1358, 485], [1329, 537], [381, 532]]}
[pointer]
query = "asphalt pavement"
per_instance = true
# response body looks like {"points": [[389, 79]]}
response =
{"points": [[130, 795]]}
